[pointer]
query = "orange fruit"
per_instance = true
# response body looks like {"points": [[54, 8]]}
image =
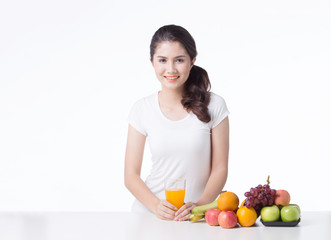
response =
{"points": [[227, 201], [246, 216], [242, 204]]}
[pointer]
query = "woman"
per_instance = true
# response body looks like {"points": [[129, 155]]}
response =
{"points": [[186, 126]]}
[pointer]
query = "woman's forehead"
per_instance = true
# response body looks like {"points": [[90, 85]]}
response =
{"points": [[170, 48]]}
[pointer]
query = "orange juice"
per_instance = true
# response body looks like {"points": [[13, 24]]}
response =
{"points": [[175, 197]]}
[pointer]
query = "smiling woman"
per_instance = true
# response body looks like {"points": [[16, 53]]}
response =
{"points": [[186, 126]]}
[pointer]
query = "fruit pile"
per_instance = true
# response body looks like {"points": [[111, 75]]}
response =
{"points": [[271, 204]]}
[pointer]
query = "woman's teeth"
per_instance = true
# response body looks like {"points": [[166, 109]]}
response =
{"points": [[172, 78]]}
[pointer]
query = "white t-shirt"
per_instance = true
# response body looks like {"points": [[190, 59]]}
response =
{"points": [[179, 149]]}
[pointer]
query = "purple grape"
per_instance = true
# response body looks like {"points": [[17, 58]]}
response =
{"points": [[253, 191], [247, 194], [270, 202], [248, 204], [260, 196], [256, 192]]}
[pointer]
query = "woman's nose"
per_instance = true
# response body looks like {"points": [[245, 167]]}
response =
{"points": [[172, 68]]}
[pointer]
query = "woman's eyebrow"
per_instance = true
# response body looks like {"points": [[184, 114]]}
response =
{"points": [[180, 56], [175, 57]]}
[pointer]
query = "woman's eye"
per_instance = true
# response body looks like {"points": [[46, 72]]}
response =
{"points": [[162, 60], [180, 60]]}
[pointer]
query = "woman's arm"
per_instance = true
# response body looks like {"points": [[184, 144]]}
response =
{"points": [[219, 169], [219, 161], [133, 162]]}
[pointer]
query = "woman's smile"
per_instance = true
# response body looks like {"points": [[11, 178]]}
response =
{"points": [[171, 78]]}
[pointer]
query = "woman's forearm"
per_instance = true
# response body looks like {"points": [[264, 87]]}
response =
{"points": [[214, 186], [139, 189]]}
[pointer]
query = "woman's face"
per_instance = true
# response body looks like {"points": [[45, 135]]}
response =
{"points": [[172, 65]]}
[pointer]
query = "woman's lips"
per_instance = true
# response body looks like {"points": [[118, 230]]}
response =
{"points": [[171, 78]]}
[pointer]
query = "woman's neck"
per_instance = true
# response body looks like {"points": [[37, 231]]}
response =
{"points": [[170, 103], [170, 98]]}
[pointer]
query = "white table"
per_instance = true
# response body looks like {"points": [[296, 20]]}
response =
{"points": [[109, 225]]}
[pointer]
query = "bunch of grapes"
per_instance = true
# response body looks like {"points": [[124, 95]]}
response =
{"points": [[259, 197]]}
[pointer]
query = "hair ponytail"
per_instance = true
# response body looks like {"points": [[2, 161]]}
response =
{"points": [[196, 95]]}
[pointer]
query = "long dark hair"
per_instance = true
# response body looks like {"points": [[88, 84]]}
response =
{"points": [[196, 95]]}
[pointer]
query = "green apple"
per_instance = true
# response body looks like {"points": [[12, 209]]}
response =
{"points": [[270, 213], [296, 205], [290, 213]]}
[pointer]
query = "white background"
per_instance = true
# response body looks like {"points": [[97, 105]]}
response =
{"points": [[71, 70]]}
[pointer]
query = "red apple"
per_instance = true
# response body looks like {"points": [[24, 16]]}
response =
{"points": [[227, 219], [282, 198], [211, 216]]}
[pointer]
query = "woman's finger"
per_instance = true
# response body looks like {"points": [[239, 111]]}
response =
{"points": [[184, 212], [167, 210], [184, 215], [181, 210], [168, 205]]}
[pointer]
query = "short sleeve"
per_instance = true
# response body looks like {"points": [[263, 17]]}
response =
{"points": [[135, 118], [218, 110]]}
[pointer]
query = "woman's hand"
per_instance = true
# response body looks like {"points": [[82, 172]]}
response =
{"points": [[184, 212], [165, 210]]}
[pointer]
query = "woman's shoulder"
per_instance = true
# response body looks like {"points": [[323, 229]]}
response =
{"points": [[147, 99], [145, 102], [216, 100], [217, 109]]}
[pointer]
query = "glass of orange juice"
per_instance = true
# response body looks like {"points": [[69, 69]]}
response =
{"points": [[175, 191]]}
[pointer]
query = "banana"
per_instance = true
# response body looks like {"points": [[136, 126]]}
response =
{"points": [[201, 210], [194, 218]]}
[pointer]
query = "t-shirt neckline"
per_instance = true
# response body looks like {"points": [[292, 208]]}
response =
{"points": [[164, 117]]}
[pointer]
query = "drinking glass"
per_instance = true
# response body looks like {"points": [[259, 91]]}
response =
{"points": [[175, 191]]}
